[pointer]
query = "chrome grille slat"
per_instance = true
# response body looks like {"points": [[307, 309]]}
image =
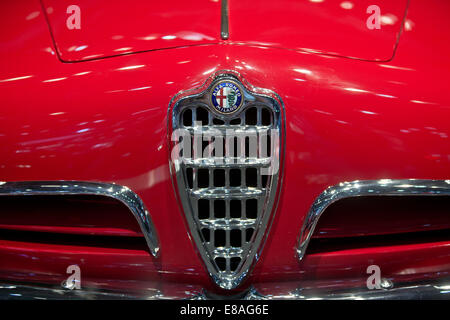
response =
{"points": [[228, 224], [223, 128], [223, 193], [226, 162], [228, 240], [227, 252]]}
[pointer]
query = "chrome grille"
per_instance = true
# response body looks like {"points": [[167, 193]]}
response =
{"points": [[219, 166]]}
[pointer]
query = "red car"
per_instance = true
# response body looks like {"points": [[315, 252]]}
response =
{"points": [[225, 149]]}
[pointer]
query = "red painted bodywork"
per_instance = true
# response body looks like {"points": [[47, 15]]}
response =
{"points": [[335, 27], [112, 28], [332, 27], [105, 120]]}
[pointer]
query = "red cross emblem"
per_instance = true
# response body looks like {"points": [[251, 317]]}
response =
{"points": [[220, 97]]}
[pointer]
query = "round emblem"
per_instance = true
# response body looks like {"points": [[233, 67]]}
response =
{"points": [[226, 97]]}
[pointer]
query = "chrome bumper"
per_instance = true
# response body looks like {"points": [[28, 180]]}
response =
{"points": [[431, 290]]}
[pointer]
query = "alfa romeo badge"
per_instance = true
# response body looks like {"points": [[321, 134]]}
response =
{"points": [[226, 97]]}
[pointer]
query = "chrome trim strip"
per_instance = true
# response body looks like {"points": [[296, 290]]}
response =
{"points": [[224, 32], [121, 193], [383, 187]]}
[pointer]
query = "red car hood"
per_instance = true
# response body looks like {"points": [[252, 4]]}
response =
{"points": [[332, 27]]}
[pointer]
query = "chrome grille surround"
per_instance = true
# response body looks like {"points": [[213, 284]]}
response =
{"points": [[365, 188], [228, 262], [67, 187]]}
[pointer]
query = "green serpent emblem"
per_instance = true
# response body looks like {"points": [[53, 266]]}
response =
{"points": [[231, 98]]}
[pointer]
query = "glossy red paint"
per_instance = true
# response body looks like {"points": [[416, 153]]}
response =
{"points": [[348, 268], [111, 28], [105, 268], [106, 120], [333, 27]]}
